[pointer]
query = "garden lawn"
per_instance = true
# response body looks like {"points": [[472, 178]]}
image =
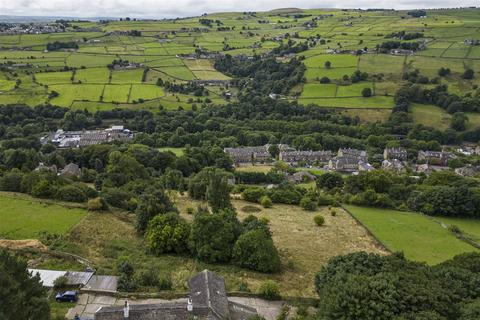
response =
{"points": [[418, 236], [22, 218]]}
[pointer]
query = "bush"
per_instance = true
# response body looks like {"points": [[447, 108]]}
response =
{"points": [[164, 282], [71, 194], [251, 209], [325, 199], [253, 194], [319, 220], [367, 92], [333, 212], [255, 250], [243, 287], [307, 203], [266, 202], [325, 80], [60, 282], [190, 210], [97, 204], [468, 74], [270, 290]]}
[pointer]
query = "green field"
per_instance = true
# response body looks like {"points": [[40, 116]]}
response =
{"points": [[23, 218], [162, 48], [419, 237]]}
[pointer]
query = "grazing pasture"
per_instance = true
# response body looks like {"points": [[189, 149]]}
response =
{"points": [[419, 237], [25, 218]]}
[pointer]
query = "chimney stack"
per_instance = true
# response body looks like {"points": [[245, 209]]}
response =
{"points": [[189, 305], [126, 310]]}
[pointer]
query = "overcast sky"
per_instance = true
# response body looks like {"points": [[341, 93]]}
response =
{"points": [[182, 8]]}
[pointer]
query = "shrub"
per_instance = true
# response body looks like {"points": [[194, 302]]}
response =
{"points": [[97, 204], [325, 199], [455, 229], [164, 282], [243, 287], [333, 212], [307, 203], [148, 278], [325, 80], [255, 250], [266, 202], [71, 194], [468, 74], [190, 210], [60, 282], [251, 209], [367, 92], [270, 290], [319, 220], [253, 194]]}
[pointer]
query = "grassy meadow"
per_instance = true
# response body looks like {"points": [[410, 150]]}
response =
{"points": [[25, 218], [419, 237]]}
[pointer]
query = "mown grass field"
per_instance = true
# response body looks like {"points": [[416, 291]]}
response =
{"points": [[24, 218], [419, 237]]}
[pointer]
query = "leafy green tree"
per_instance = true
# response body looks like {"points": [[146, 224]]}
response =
{"points": [[151, 204], [22, 297], [218, 191], [213, 236], [167, 233], [366, 92], [330, 180], [255, 250], [469, 74]]}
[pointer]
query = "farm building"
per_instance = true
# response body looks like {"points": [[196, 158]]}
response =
{"points": [[207, 300]]}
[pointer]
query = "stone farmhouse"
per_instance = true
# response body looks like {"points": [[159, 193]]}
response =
{"points": [[309, 157], [350, 160], [393, 165], [248, 155], [435, 157], [207, 301], [395, 153], [361, 155]]}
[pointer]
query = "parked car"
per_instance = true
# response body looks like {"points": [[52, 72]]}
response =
{"points": [[67, 296]]}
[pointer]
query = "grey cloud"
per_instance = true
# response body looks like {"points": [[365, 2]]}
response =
{"points": [[181, 8]]}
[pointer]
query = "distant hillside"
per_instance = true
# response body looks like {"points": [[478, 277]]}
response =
{"points": [[285, 10]]}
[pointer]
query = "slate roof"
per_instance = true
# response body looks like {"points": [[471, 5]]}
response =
{"points": [[209, 301], [208, 289]]}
